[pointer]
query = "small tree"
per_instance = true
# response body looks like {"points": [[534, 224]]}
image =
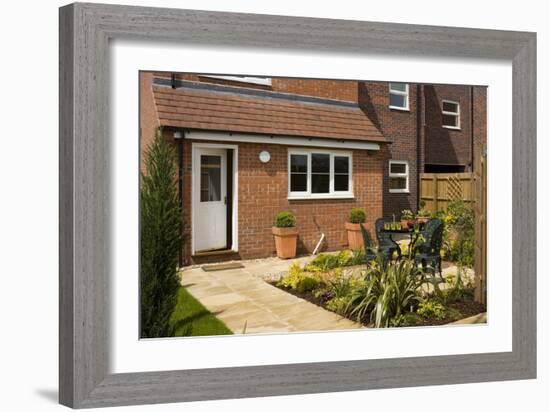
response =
{"points": [[161, 239]]}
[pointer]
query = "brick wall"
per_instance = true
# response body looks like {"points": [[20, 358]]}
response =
{"points": [[400, 127], [442, 145], [263, 192], [148, 119]]}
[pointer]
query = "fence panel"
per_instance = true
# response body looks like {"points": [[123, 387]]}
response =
{"points": [[437, 190]]}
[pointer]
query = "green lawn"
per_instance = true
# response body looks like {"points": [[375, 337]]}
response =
{"points": [[193, 319]]}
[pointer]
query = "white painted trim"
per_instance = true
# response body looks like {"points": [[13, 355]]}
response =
{"points": [[456, 114], [332, 194], [281, 140], [400, 93], [405, 175], [235, 200], [266, 81]]}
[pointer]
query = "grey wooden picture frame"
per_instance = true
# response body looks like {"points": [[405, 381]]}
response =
{"points": [[85, 31]]}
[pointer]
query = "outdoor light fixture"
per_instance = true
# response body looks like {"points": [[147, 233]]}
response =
{"points": [[264, 156]]}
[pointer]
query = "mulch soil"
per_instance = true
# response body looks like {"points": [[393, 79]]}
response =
{"points": [[460, 309]]}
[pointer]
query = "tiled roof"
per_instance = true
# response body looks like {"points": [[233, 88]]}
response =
{"points": [[266, 113]]}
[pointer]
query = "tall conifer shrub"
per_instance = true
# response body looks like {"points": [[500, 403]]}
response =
{"points": [[161, 240]]}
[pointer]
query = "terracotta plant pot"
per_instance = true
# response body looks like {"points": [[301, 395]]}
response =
{"points": [[355, 238], [405, 224], [285, 241]]}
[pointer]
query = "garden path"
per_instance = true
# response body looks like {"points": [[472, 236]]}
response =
{"points": [[240, 297]]}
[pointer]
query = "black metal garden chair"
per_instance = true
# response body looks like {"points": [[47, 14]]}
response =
{"points": [[386, 245], [371, 250], [428, 250]]}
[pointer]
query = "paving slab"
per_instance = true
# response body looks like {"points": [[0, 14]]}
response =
{"points": [[240, 297]]}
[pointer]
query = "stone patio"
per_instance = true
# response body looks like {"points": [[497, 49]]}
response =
{"points": [[246, 303]]}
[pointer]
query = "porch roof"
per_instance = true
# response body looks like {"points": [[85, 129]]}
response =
{"points": [[195, 106]]}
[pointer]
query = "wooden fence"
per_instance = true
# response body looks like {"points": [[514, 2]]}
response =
{"points": [[437, 190]]}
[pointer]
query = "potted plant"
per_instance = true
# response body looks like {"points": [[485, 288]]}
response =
{"points": [[285, 234], [406, 219], [353, 227], [423, 216]]}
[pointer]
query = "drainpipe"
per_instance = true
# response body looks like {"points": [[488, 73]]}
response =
{"points": [[178, 137], [419, 139]]}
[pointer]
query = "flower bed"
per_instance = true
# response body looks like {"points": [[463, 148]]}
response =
{"points": [[379, 295]]}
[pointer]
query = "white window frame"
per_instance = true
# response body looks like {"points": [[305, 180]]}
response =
{"points": [[265, 81], [456, 114], [405, 175], [400, 93], [332, 193]]}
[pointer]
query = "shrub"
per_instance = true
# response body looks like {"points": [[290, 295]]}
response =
{"points": [[307, 284], [406, 214], [387, 291], [432, 309], [284, 219], [357, 257], [323, 262], [160, 240], [404, 320], [423, 213], [460, 219], [291, 279], [338, 304], [357, 215]]}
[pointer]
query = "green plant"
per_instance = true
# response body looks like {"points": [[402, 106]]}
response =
{"points": [[338, 304], [323, 262], [284, 219], [307, 284], [423, 213], [387, 291], [357, 257], [405, 319], [357, 215], [432, 308], [406, 214], [293, 277], [160, 240]]}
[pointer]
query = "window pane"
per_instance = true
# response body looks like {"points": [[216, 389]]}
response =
{"points": [[398, 100], [320, 183], [298, 163], [398, 183], [341, 183], [320, 163], [398, 168], [450, 120], [298, 182], [341, 164], [450, 107], [402, 87], [210, 178]]}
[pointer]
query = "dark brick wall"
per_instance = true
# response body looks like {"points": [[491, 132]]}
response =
{"points": [[400, 127], [442, 145]]}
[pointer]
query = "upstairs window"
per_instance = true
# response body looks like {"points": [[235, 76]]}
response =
{"points": [[399, 176], [319, 174], [450, 114], [399, 96]]}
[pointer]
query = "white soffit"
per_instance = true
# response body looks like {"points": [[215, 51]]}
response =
{"points": [[282, 140]]}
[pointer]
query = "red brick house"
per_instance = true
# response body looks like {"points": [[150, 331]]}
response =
{"points": [[251, 147]]}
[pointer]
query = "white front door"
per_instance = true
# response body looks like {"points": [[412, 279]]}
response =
{"points": [[210, 199]]}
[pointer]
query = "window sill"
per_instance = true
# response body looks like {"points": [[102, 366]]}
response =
{"points": [[322, 197], [399, 191], [401, 109], [452, 127]]}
